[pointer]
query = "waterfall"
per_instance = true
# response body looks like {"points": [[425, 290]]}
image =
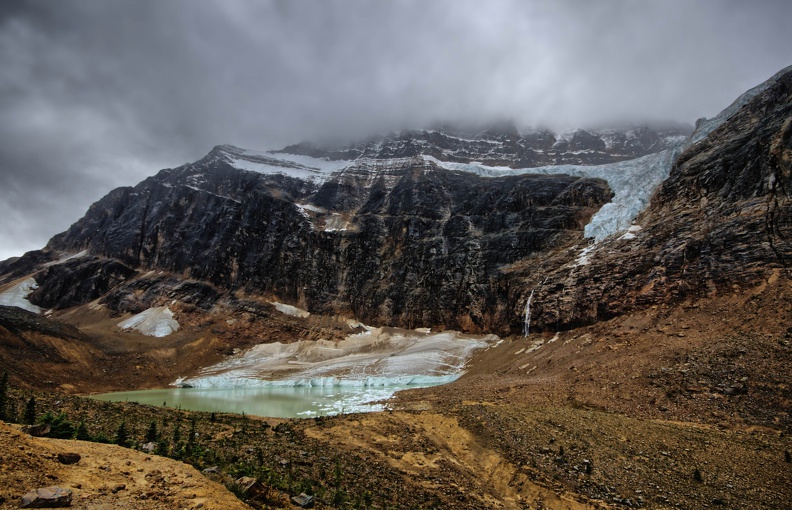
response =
{"points": [[527, 321]]}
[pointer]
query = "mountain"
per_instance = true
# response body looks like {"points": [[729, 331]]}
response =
{"points": [[422, 229], [639, 280], [449, 228]]}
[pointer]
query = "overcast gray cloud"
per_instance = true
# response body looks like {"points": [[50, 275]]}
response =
{"points": [[96, 94]]}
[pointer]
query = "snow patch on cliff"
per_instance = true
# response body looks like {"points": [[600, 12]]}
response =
{"points": [[317, 170], [290, 310], [706, 126], [157, 321], [17, 295]]}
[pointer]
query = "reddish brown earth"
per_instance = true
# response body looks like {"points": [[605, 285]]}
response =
{"points": [[620, 413]]}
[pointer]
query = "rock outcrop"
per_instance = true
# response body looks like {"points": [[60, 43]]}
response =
{"points": [[721, 219]]}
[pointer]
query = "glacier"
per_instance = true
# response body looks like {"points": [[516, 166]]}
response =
{"points": [[378, 357], [632, 182]]}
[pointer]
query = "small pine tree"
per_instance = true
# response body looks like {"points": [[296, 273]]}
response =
{"points": [[101, 438], [11, 412], [4, 396], [162, 448], [151, 434], [122, 435], [82, 432], [60, 426], [30, 411], [176, 434], [188, 449], [697, 475]]}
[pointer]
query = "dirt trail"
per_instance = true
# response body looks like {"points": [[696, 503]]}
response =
{"points": [[106, 477], [436, 450]]}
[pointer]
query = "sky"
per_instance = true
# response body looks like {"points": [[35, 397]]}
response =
{"points": [[100, 94]]}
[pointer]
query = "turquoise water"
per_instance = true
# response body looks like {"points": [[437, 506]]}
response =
{"points": [[272, 401]]}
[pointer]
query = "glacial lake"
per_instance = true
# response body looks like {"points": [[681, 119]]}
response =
{"points": [[271, 401], [304, 379]]}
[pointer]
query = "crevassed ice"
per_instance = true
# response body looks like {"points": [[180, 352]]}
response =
{"points": [[157, 321], [385, 357], [632, 182]]}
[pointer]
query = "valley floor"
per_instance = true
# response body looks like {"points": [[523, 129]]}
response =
{"points": [[687, 406]]}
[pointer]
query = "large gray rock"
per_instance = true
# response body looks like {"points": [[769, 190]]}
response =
{"points": [[47, 497]]}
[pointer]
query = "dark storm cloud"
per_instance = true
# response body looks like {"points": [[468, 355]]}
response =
{"points": [[95, 94]]}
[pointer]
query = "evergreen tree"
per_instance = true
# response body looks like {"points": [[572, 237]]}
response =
{"points": [[30, 411], [191, 438], [60, 426], [151, 435], [4, 396], [122, 435], [162, 448], [176, 434], [82, 432], [11, 412]]}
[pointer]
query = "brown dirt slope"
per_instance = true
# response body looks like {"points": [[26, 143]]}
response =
{"points": [[106, 477]]}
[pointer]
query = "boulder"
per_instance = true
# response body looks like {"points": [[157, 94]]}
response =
{"points": [[39, 430], [47, 497], [249, 487], [69, 458], [303, 500]]}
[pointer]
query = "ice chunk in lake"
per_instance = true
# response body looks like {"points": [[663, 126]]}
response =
{"points": [[157, 321]]}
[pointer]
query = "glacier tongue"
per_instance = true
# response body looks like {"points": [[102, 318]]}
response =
{"points": [[632, 182], [377, 357]]}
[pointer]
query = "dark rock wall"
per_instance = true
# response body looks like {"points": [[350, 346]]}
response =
{"points": [[423, 246], [723, 218]]}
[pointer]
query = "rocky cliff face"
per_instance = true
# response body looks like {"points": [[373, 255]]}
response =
{"points": [[402, 242], [721, 219]]}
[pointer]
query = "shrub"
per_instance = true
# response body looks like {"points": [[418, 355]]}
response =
{"points": [[60, 426]]}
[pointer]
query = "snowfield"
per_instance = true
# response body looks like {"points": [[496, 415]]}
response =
{"points": [[156, 322], [17, 296]]}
